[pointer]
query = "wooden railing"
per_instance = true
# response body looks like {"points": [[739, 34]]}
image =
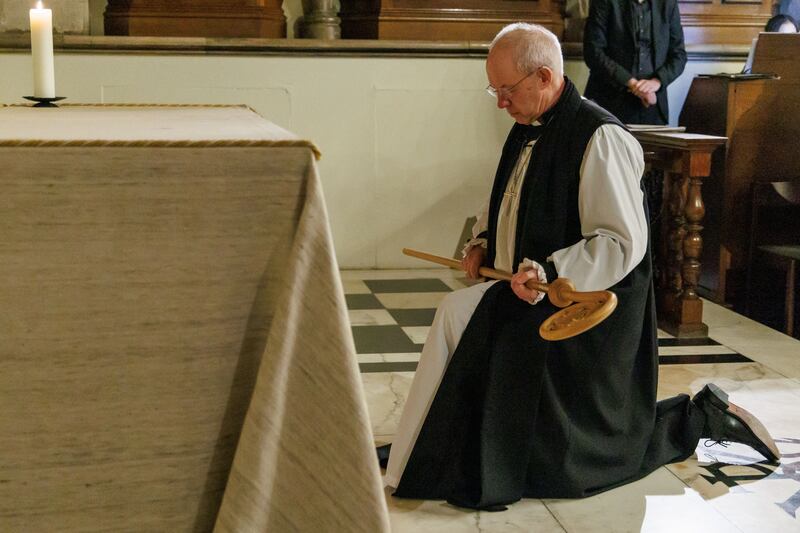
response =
{"points": [[684, 160]]}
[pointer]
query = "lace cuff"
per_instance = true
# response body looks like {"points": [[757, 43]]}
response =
{"points": [[472, 243], [527, 264]]}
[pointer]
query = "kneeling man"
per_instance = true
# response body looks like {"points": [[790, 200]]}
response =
{"points": [[495, 412]]}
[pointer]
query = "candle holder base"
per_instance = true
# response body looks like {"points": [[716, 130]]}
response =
{"points": [[44, 102]]}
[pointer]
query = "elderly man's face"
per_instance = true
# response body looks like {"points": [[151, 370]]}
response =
{"points": [[527, 99]]}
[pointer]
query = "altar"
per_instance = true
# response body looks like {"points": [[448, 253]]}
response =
{"points": [[176, 352]]}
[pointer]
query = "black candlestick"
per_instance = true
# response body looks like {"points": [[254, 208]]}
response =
{"points": [[44, 102]]}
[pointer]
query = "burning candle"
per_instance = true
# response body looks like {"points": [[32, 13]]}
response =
{"points": [[44, 83]]}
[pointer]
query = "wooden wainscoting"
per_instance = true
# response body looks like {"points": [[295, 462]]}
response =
{"points": [[443, 20], [723, 21], [196, 18]]}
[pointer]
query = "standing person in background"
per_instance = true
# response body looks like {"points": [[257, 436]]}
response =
{"points": [[634, 50]]}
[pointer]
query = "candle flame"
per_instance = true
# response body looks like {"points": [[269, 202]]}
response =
{"points": [[39, 5]]}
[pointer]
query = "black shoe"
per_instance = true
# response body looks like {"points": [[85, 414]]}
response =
{"points": [[383, 454], [726, 421]]}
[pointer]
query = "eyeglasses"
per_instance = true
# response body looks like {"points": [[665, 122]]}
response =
{"points": [[504, 93]]}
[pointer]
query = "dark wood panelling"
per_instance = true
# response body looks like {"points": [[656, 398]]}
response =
{"points": [[704, 21], [443, 20], [723, 21], [196, 18]]}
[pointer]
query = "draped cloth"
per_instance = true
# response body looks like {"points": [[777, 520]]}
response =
{"points": [[176, 349]]}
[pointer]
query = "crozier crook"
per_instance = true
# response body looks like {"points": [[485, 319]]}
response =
{"points": [[582, 310]]}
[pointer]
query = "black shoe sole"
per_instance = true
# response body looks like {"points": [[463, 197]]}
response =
{"points": [[719, 399]]}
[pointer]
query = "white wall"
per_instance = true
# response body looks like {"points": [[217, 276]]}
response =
{"points": [[409, 145]]}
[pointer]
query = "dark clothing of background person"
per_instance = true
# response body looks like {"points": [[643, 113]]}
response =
{"points": [[620, 43]]}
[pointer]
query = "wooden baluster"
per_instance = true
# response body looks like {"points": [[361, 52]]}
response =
{"points": [[693, 243]]}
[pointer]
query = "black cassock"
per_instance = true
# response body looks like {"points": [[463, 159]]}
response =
{"points": [[517, 416]]}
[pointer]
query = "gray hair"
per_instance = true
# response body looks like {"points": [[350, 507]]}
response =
{"points": [[534, 46]]}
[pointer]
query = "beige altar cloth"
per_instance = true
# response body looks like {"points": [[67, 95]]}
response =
{"points": [[175, 353]]}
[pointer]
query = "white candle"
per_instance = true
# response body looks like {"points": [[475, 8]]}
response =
{"points": [[44, 82]]}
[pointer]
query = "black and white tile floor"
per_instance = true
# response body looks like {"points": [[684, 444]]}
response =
{"points": [[392, 316], [390, 313]]}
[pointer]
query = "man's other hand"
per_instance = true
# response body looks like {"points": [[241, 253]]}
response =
{"points": [[518, 281], [473, 261]]}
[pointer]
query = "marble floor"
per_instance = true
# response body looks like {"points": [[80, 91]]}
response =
{"points": [[390, 311]]}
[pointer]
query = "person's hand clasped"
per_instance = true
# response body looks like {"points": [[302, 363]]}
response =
{"points": [[473, 261], [644, 90], [518, 281], [648, 99], [647, 86]]}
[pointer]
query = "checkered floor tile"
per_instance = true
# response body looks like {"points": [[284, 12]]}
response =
{"points": [[390, 319]]}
